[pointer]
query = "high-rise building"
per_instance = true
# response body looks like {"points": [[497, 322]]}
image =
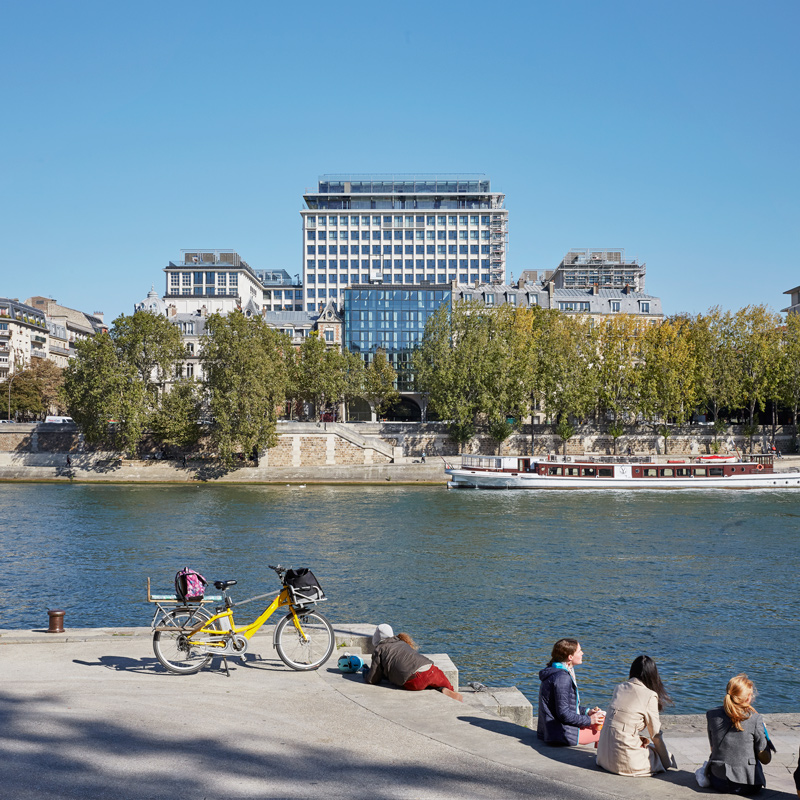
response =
{"points": [[413, 230]]}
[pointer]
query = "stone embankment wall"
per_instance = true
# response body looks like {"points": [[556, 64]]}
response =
{"points": [[380, 444]]}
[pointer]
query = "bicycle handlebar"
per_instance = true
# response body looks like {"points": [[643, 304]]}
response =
{"points": [[279, 569]]}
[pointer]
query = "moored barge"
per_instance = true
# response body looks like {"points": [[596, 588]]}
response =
{"points": [[554, 472]]}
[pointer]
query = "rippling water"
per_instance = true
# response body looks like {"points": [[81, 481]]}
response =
{"points": [[704, 582]]}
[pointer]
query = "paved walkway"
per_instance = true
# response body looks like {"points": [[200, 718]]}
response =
{"points": [[90, 714]]}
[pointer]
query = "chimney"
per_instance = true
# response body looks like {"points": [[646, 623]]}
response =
{"points": [[99, 315]]}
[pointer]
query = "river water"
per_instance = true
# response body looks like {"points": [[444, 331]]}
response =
{"points": [[704, 582]]}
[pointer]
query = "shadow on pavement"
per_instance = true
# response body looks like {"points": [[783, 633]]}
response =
{"points": [[56, 751]]}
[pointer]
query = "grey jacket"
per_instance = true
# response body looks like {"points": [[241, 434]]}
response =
{"points": [[733, 753], [396, 661]]}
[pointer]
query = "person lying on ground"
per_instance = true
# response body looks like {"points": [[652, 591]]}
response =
{"points": [[396, 659]]}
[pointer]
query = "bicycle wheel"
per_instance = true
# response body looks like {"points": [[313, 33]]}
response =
{"points": [[304, 652], [175, 652]]}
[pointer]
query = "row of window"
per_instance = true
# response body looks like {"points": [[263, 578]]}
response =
{"points": [[398, 249], [343, 263], [206, 278], [203, 291], [614, 306], [324, 236], [402, 221]]}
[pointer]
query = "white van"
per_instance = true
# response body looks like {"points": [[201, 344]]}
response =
{"points": [[60, 420]]}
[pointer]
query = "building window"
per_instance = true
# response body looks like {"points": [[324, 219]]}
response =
{"points": [[615, 305], [644, 307], [328, 336]]}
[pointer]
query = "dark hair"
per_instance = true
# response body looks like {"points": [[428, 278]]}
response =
{"points": [[562, 650], [644, 668]]}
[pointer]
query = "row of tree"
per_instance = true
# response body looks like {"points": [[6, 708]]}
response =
{"points": [[123, 384], [507, 363]]}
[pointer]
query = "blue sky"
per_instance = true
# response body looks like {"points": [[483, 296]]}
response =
{"points": [[131, 131]]}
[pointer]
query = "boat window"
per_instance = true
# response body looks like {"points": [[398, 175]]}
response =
{"points": [[589, 472], [700, 471], [667, 472], [682, 472], [554, 471], [606, 472], [717, 471], [651, 472], [574, 471]]}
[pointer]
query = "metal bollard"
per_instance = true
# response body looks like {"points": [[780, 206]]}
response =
{"points": [[56, 620]]}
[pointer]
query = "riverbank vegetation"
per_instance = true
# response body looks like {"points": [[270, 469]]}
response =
{"points": [[478, 365], [131, 381]]}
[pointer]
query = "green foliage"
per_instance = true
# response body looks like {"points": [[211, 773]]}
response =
{"points": [[120, 376], [244, 364], [461, 432], [790, 364], [176, 420], [668, 375], [565, 430], [500, 429], [34, 390], [105, 395], [378, 383]]}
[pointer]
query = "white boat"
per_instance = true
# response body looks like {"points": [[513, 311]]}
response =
{"points": [[555, 472]]}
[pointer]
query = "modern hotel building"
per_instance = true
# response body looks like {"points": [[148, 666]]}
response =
{"points": [[414, 230]]}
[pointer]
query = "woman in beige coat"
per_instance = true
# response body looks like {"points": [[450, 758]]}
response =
{"points": [[635, 706]]}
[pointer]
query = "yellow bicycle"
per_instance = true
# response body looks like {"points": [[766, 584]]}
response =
{"points": [[186, 638]]}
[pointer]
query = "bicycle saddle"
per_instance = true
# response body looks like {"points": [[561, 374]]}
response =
{"points": [[223, 585]]}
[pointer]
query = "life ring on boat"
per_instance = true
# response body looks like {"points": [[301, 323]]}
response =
{"points": [[760, 467]]}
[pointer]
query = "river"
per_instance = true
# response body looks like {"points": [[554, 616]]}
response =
{"points": [[704, 582]]}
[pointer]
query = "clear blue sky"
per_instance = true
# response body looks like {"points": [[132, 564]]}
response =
{"points": [[133, 130]]}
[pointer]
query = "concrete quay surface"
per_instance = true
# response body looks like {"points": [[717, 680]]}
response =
{"points": [[91, 714]]}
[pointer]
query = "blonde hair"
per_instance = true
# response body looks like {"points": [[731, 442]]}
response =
{"points": [[738, 695], [404, 637]]}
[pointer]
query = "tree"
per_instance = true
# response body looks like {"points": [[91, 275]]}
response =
{"points": [[113, 386], [618, 366], [244, 363], [378, 383], [790, 355], [176, 421], [668, 375], [150, 343], [565, 359], [715, 365], [451, 368], [105, 395], [755, 336], [321, 374], [35, 389]]}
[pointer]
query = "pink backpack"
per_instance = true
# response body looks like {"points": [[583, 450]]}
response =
{"points": [[189, 585]]}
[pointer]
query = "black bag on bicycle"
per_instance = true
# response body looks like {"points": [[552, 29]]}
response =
{"points": [[303, 585]]}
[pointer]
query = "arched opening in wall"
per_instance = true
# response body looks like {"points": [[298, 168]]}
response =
{"points": [[404, 410], [358, 410]]}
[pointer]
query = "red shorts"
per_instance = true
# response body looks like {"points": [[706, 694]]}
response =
{"points": [[432, 678]]}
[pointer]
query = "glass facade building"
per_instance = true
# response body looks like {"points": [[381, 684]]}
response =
{"points": [[390, 319], [400, 230]]}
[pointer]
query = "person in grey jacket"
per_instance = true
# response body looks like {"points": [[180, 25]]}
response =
{"points": [[396, 659], [739, 742]]}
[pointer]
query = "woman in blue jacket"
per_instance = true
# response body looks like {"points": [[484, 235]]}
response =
{"points": [[562, 719]]}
